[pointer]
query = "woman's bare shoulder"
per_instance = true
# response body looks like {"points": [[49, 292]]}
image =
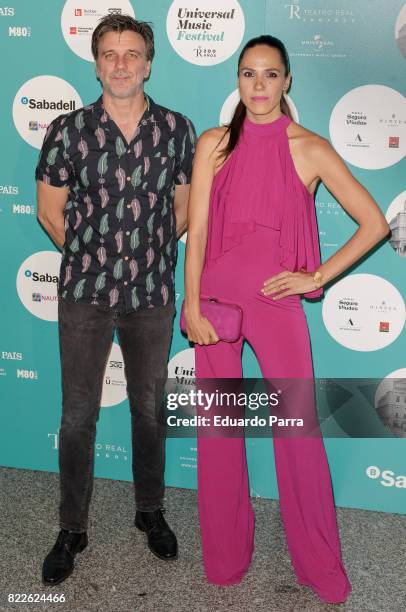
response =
{"points": [[212, 137], [305, 140]]}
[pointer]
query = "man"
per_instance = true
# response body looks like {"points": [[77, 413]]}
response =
{"points": [[113, 182]]}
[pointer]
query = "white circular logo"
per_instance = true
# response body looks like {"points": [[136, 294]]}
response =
{"points": [[79, 19], [229, 106], [396, 217], [205, 34], [390, 402], [37, 284], [364, 312], [114, 384], [181, 375], [38, 102], [400, 30], [373, 472], [368, 127]]}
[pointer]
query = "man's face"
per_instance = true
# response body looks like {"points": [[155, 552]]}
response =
{"points": [[122, 64]]}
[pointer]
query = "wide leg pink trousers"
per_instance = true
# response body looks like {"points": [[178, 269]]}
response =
{"points": [[278, 334]]}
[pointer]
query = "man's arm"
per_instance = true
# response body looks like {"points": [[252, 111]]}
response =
{"points": [[180, 206], [51, 204]]}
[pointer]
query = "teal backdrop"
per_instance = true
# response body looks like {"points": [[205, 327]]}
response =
{"points": [[348, 62]]}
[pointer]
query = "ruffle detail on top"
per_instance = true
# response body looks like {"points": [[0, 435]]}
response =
{"points": [[258, 186]]}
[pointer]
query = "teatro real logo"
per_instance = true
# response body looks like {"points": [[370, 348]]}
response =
{"points": [[297, 9]]}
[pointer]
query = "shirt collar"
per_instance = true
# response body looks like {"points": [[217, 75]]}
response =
{"points": [[150, 113]]}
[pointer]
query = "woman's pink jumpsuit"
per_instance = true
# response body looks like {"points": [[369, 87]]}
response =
{"points": [[262, 221]]}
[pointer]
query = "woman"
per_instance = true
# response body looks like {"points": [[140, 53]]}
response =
{"points": [[253, 241]]}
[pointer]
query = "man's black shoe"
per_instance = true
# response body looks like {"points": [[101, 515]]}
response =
{"points": [[161, 539], [58, 563]]}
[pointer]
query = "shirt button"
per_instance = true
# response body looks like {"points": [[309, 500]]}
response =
{"points": [[125, 283], [128, 178], [127, 233], [126, 258]]}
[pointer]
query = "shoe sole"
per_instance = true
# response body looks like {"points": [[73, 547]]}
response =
{"points": [[56, 582], [153, 551]]}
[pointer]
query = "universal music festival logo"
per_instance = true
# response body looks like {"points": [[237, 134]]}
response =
{"points": [[203, 26]]}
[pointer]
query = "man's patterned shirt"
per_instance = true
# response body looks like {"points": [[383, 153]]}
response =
{"points": [[120, 225]]}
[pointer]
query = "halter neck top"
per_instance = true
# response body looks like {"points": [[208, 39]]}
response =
{"points": [[258, 186]]}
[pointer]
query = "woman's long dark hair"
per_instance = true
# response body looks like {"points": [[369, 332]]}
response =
{"points": [[234, 127]]}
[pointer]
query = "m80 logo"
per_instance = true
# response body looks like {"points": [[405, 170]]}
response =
{"points": [[27, 374], [18, 31]]}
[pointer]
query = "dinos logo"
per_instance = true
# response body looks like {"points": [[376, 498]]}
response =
{"points": [[114, 383], [79, 18]]}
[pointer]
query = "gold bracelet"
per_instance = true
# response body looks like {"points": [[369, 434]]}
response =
{"points": [[318, 279]]}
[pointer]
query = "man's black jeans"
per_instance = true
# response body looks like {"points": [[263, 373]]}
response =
{"points": [[85, 335]]}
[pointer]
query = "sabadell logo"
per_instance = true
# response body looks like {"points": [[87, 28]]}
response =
{"points": [[45, 104], [37, 284], [42, 278], [38, 102], [388, 478]]}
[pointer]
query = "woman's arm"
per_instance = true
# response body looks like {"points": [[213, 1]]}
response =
{"points": [[199, 329], [328, 166]]}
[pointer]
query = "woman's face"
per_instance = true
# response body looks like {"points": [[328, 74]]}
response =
{"points": [[261, 81]]}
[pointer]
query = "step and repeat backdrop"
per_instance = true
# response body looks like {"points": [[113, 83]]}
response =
{"points": [[348, 64]]}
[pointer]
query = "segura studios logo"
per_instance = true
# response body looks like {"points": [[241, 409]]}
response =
{"points": [[368, 127], [207, 33], [80, 17], [38, 102], [357, 318], [37, 284]]}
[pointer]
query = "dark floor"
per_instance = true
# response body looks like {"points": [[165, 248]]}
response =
{"points": [[117, 573]]}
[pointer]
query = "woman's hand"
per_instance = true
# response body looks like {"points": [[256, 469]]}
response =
{"points": [[289, 283], [199, 329]]}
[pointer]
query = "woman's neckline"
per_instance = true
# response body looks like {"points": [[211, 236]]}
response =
{"points": [[277, 125]]}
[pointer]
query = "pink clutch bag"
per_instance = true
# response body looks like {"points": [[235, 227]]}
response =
{"points": [[226, 318]]}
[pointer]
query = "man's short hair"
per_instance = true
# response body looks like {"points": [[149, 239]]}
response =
{"points": [[121, 23]]}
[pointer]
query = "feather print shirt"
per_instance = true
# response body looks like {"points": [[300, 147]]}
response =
{"points": [[120, 228]]}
